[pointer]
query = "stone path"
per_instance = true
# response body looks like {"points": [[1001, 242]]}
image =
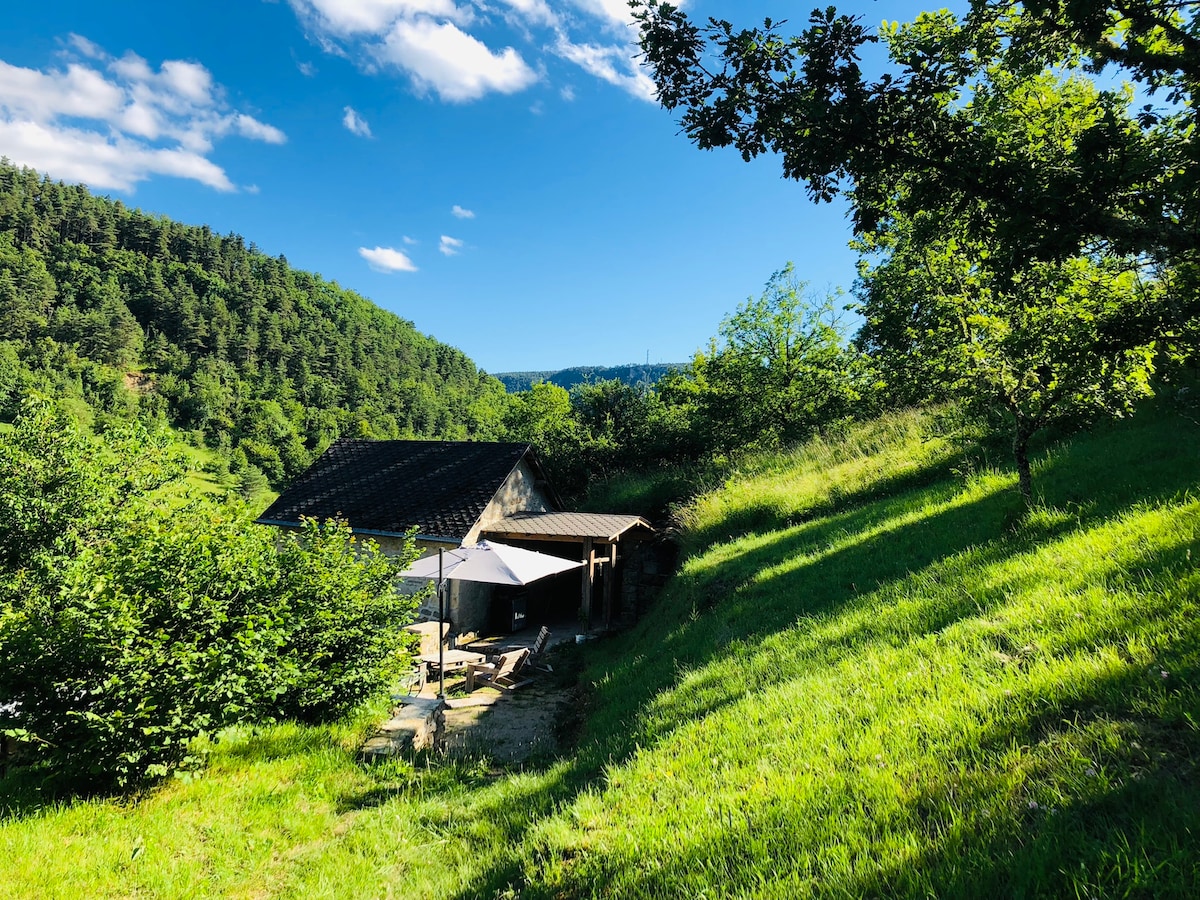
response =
{"points": [[507, 728]]}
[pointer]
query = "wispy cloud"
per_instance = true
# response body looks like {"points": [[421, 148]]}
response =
{"points": [[460, 213], [387, 259], [355, 123], [449, 246], [448, 48], [533, 12], [610, 63], [616, 12], [113, 122], [350, 17]]}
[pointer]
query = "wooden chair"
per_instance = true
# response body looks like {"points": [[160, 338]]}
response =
{"points": [[500, 674], [535, 650], [539, 644], [413, 681]]}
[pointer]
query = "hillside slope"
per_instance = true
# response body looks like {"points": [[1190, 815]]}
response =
{"points": [[634, 375], [872, 677], [126, 314]]}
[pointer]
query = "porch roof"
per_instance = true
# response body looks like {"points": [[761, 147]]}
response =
{"points": [[567, 526]]}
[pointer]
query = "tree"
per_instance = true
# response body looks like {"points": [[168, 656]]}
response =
{"points": [[542, 416], [1129, 182], [780, 369], [1033, 234], [1032, 342], [951, 305]]}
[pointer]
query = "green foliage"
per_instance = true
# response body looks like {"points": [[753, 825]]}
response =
{"points": [[1128, 183], [949, 308], [131, 623], [1037, 232], [780, 372], [344, 619]]}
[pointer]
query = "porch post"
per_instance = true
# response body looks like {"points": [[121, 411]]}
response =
{"points": [[609, 577], [589, 562]]}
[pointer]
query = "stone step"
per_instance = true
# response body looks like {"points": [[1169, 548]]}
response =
{"points": [[417, 724]]}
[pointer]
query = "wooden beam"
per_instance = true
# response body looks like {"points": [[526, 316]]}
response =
{"points": [[589, 562], [526, 536], [609, 577]]}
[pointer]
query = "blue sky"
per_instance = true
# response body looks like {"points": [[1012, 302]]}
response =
{"points": [[495, 171]]}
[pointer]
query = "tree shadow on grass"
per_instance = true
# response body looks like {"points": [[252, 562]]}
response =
{"points": [[720, 614], [1125, 826], [767, 516], [622, 695]]}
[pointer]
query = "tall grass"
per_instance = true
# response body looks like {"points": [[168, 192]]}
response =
{"points": [[922, 695], [872, 677]]}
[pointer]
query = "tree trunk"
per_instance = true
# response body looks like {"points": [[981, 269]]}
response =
{"points": [[1021, 454]]}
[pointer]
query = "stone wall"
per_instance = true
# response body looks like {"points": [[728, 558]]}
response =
{"points": [[520, 493]]}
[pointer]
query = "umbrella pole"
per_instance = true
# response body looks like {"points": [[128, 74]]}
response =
{"points": [[441, 627]]}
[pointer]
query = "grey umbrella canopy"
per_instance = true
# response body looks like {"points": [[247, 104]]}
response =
{"points": [[485, 562], [491, 563]]}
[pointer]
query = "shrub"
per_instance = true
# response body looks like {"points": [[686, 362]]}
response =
{"points": [[129, 626]]}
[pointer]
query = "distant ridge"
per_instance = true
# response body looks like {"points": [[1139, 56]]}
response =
{"points": [[632, 374]]}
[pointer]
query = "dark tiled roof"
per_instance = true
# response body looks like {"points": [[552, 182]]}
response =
{"points": [[387, 487]]}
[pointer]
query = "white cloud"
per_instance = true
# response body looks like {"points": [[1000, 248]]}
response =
{"points": [[535, 12], [460, 213], [101, 161], [608, 63], [115, 122], [251, 128], [448, 48], [458, 67], [449, 246], [355, 123], [410, 241], [88, 48], [615, 11], [387, 259], [567, 93], [372, 17]]}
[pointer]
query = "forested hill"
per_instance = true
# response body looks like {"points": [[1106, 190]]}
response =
{"points": [[634, 375], [128, 314]]}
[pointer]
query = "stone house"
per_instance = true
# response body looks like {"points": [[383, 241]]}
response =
{"points": [[455, 493]]}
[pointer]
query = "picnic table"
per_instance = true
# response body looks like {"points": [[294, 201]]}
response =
{"points": [[452, 660]]}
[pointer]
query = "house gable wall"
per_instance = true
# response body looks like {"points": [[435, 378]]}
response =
{"points": [[520, 492]]}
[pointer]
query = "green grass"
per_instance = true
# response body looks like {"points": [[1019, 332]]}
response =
{"points": [[872, 677]]}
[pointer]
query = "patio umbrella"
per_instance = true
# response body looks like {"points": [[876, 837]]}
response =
{"points": [[485, 562]]}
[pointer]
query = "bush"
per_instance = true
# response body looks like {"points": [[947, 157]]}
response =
{"points": [[129, 626]]}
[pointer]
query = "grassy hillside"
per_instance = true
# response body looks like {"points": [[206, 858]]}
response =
{"points": [[872, 677]]}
